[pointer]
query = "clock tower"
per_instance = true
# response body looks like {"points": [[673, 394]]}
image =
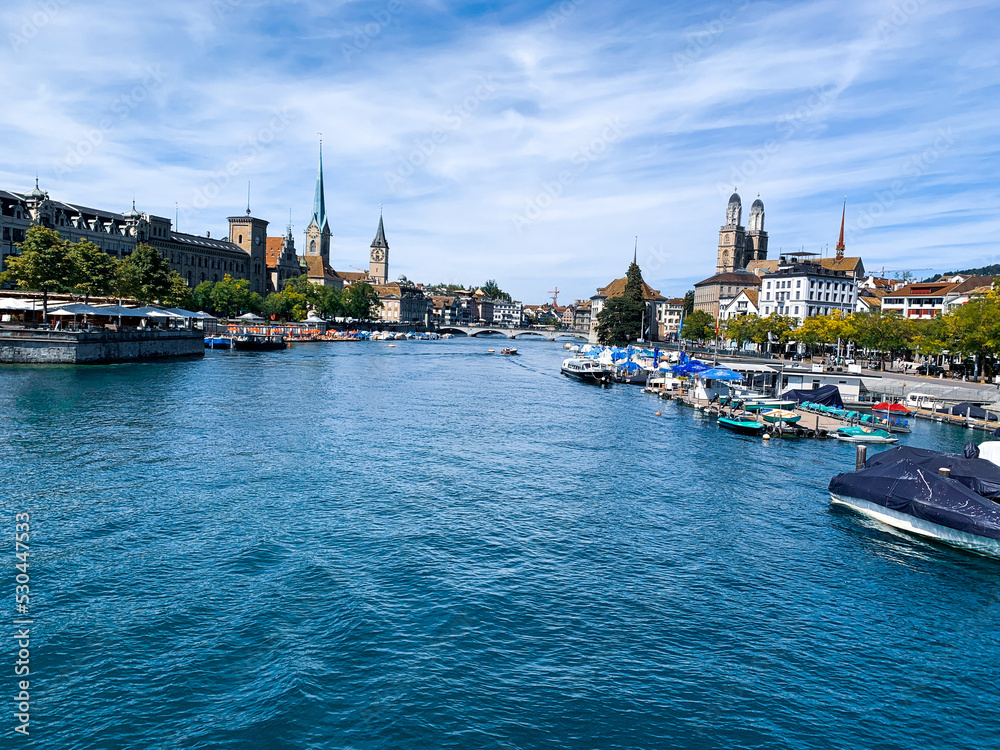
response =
{"points": [[250, 234], [378, 267], [732, 239]]}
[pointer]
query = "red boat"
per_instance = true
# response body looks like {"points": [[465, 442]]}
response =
{"points": [[895, 409]]}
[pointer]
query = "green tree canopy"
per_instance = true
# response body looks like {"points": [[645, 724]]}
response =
{"points": [[145, 275], [698, 326], [231, 297], [976, 330], [619, 322], [361, 301], [43, 264], [688, 303], [882, 332], [491, 290], [741, 329], [93, 269], [179, 294]]}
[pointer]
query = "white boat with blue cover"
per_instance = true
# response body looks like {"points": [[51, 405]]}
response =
{"points": [[906, 489]]}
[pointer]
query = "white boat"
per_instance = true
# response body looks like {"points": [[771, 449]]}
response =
{"points": [[906, 522], [947, 497], [587, 370], [859, 434]]}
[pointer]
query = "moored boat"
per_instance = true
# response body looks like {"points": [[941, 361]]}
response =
{"points": [[780, 415], [906, 488], [256, 342], [218, 342], [742, 426], [859, 434], [587, 370]]}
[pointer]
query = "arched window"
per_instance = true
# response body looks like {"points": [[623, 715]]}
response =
{"points": [[312, 246], [240, 240]]}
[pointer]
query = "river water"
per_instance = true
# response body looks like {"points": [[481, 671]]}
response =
{"points": [[426, 546]]}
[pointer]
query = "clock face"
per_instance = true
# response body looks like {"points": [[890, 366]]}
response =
{"points": [[378, 254]]}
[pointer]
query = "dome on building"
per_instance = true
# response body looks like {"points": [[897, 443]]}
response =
{"points": [[37, 193], [133, 214], [757, 205], [735, 198]]}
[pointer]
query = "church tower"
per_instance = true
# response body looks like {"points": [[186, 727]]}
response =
{"points": [[250, 234], [840, 243], [378, 267], [732, 239], [756, 243], [318, 232]]}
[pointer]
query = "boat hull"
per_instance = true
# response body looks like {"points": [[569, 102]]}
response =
{"points": [[259, 343], [961, 539], [743, 427], [877, 439], [587, 377]]}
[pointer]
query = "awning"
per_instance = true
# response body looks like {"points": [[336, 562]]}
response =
{"points": [[77, 308]]}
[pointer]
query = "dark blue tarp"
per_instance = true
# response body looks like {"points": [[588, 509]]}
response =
{"points": [[976, 412], [828, 395], [906, 487], [978, 474]]}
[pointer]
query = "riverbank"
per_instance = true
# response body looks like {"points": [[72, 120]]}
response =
{"points": [[47, 347]]}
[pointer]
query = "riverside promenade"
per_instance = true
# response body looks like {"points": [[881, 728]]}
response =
{"points": [[37, 346]]}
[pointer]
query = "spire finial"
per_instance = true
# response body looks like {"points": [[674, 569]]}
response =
{"points": [[840, 243], [635, 252], [248, 197]]}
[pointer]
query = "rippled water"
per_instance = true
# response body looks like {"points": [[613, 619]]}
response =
{"points": [[357, 546]]}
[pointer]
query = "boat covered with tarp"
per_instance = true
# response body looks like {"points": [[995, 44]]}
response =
{"points": [[904, 488], [827, 395], [965, 409]]}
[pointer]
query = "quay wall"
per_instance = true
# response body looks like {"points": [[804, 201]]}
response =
{"points": [[96, 347]]}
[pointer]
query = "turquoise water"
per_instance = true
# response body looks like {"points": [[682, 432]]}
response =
{"points": [[425, 546]]}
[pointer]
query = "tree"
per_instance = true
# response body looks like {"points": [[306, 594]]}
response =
{"points": [[288, 304], [328, 301], [882, 332], [361, 301], [741, 329], [619, 322], [43, 264], [145, 275], [179, 294], [93, 269], [621, 318], [698, 326], [202, 297], [231, 297], [492, 291], [976, 329], [688, 303]]}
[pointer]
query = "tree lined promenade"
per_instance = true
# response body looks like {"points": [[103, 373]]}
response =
{"points": [[969, 330], [49, 264]]}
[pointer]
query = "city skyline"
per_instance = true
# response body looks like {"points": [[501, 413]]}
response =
{"points": [[529, 143]]}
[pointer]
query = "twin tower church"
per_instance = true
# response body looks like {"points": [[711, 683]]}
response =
{"points": [[317, 253]]}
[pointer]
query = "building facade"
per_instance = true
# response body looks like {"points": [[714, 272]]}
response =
{"points": [[652, 297], [194, 257], [802, 288], [403, 303], [715, 292]]}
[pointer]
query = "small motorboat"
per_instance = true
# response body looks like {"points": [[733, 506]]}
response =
{"points": [[952, 498], [218, 342], [859, 434], [257, 342], [774, 416], [587, 370], [509, 350], [491, 351], [742, 426], [767, 403], [895, 410]]}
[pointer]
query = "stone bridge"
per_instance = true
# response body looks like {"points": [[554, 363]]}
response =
{"points": [[511, 333]]}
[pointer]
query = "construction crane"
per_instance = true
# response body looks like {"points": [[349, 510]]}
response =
{"points": [[555, 296], [902, 270]]}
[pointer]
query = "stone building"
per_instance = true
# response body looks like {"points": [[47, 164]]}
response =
{"points": [[402, 303], [194, 257], [739, 246], [317, 254], [282, 261]]}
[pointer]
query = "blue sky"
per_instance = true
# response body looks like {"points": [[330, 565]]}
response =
{"points": [[526, 142]]}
